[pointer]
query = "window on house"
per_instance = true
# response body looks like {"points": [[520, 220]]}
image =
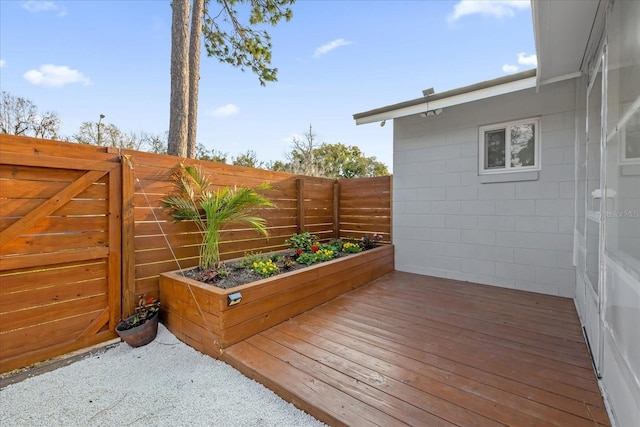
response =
{"points": [[510, 147]]}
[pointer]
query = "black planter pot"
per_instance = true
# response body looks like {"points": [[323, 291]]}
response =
{"points": [[141, 334]]}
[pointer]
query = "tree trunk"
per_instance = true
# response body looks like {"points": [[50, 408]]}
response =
{"points": [[179, 108], [194, 75]]}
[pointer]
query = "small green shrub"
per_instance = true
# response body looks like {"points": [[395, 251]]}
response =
{"points": [[367, 242], [265, 268], [337, 243], [287, 262], [307, 258], [249, 258], [325, 253], [305, 241], [351, 248]]}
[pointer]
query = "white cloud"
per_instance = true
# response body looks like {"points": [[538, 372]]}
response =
{"points": [[44, 6], [55, 76], [527, 60], [495, 8], [225, 111], [326, 48], [523, 59], [2, 63]]}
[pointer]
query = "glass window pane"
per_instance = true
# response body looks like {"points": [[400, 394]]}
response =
{"points": [[593, 242], [594, 193], [494, 149], [622, 231], [632, 138], [594, 131], [523, 145], [582, 154]]}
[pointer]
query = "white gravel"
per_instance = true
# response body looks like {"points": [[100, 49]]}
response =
{"points": [[165, 383]]}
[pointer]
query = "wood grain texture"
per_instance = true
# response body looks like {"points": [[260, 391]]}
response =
{"points": [[419, 350], [60, 228], [200, 311], [72, 216]]}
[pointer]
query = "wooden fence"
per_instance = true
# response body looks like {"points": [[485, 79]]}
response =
{"points": [[59, 249], [118, 220]]}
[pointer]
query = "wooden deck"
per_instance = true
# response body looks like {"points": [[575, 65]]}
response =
{"points": [[422, 351]]}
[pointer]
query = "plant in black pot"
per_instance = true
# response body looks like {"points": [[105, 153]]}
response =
{"points": [[142, 327]]}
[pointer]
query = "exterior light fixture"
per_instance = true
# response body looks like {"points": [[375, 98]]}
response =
{"points": [[234, 298], [382, 123], [99, 123], [428, 92], [430, 113]]}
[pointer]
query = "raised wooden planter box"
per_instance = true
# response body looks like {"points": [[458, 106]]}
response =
{"points": [[210, 325]]}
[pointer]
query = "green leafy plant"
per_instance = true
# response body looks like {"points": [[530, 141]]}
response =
{"points": [[287, 263], [337, 243], [306, 258], [320, 253], [249, 258], [325, 253], [193, 199], [303, 241], [367, 242], [265, 268], [351, 248], [145, 310]]}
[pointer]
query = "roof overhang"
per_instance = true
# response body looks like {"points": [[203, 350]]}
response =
{"points": [[564, 30], [475, 92], [565, 33]]}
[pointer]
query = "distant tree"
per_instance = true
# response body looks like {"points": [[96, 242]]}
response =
{"points": [[342, 161], [301, 158], [109, 136], [226, 38], [248, 159], [202, 153], [307, 157], [20, 116], [155, 143], [278, 166]]}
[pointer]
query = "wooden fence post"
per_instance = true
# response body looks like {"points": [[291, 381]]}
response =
{"points": [[336, 209], [300, 202], [128, 237]]}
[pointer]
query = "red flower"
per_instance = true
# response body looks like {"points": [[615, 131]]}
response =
{"points": [[314, 248], [151, 300], [299, 251]]}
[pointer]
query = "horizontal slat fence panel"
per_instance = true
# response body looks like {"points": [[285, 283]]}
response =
{"points": [[365, 207], [62, 259], [151, 176], [59, 248], [152, 180]]}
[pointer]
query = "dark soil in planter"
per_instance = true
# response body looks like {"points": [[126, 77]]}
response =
{"points": [[236, 276]]}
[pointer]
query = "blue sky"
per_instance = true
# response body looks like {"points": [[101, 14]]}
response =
{"points": [[335, 58]]}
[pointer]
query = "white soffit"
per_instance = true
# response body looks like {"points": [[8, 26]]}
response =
{"points": [[443, 101], [562, 31]]}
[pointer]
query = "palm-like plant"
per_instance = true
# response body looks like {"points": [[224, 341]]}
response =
{"points": [[194, 200]]}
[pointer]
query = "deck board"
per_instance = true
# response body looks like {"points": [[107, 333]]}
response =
{"points": [[416, 350]]}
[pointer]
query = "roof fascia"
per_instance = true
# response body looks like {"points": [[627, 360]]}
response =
{"points": [[450, 98]]}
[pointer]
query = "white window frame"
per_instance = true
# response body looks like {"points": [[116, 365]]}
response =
{"points": [[507, 167]]}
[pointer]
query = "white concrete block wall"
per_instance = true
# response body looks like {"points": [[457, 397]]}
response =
{"points": [[516, 234]]}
